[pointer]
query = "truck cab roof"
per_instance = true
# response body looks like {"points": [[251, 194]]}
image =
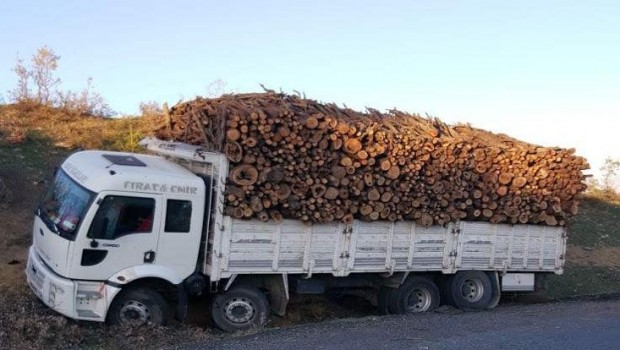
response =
{"points": [[121, 171]]}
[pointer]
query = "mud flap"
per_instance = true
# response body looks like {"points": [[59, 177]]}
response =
{"points": [[181, 311], [494, 277], [278, 293]]}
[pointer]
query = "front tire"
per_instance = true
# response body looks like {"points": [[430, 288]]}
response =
{"points": [[469, 290], [139, 306], [240, 308]]}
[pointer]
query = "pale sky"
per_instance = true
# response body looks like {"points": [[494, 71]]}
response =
{"points": [[546, 72]]}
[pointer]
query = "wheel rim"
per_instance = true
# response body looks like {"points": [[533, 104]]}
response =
{"points": [[472, 290], [419, 300], [134, 312], [239, 310]]}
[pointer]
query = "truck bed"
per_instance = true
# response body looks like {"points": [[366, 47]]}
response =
{"points": [[255, 247]]}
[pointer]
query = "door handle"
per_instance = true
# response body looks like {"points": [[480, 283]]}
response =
{"points": [[149, 256]]}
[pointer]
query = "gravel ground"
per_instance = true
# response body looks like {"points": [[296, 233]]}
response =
{"points": [[563, 325]]}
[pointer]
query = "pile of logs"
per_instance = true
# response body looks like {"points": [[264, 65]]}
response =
{"points": [[293, 157]]}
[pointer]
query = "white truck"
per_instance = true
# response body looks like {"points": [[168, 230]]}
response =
{"points": [[126, 238]]}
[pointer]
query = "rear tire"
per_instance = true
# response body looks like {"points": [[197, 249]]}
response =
{"points": [[240, 308], [469, 290], [139, 306], [385, 300], [417, 294]]}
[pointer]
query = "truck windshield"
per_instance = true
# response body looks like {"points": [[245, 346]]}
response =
{"points": [[64, 205]]}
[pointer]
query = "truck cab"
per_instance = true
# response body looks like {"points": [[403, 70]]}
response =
{"points": [[108, 220]]}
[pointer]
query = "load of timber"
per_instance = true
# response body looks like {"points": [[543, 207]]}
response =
{"points": [[293, 157]]}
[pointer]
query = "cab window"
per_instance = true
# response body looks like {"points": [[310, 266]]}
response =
{"points": [[119, 216], [178, 215]]}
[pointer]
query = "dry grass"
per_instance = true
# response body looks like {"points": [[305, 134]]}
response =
{"points": [[70, 131], [605, 195]]}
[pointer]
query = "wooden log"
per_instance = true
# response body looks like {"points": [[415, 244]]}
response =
{"points": [[331, 193], [505, 178], [283, 192], [276, 216], [393, 173], [244, 175], [318, 190], [233, 151], [347, 219], [233, 134], [256, 204], [312, 122], [352, 146], [374, 195]]}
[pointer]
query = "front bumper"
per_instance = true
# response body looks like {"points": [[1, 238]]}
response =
{"points": [[80, 300]]}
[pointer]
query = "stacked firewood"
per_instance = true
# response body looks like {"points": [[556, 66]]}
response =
{"points": [[293, 157]]}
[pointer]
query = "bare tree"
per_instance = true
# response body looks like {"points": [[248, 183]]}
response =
{"points": [[215, 88], [22, 91], [609, 172], [93, 102], [44, 65], [40, 76], [150, 108], [86, 102]]}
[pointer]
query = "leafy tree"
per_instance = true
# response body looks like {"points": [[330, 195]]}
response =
{"points": [[44, 65]]}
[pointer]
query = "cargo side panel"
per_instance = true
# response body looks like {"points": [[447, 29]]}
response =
{"points": [[292, 247], [483, 246]]}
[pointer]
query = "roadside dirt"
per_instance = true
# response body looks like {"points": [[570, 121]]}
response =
{"points": [[15, 229], [599, 256]]}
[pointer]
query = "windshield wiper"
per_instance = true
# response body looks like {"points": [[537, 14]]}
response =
{"points": [[49, 223]]}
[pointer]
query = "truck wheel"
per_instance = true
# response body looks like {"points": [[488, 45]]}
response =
{"points": [[417, 294], [240, 308], [139, 306], [386, 300], [470, 290]]}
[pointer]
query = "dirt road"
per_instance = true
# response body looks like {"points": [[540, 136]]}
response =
{"points": [[566, 325]]}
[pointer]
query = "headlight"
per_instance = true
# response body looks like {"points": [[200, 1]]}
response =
{"points": [[56, 289]]}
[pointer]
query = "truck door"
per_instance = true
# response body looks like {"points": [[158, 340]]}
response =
{"points": [[123, 233]]}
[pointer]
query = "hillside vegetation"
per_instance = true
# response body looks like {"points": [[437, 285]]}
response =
{"points": [[64, 129]]}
